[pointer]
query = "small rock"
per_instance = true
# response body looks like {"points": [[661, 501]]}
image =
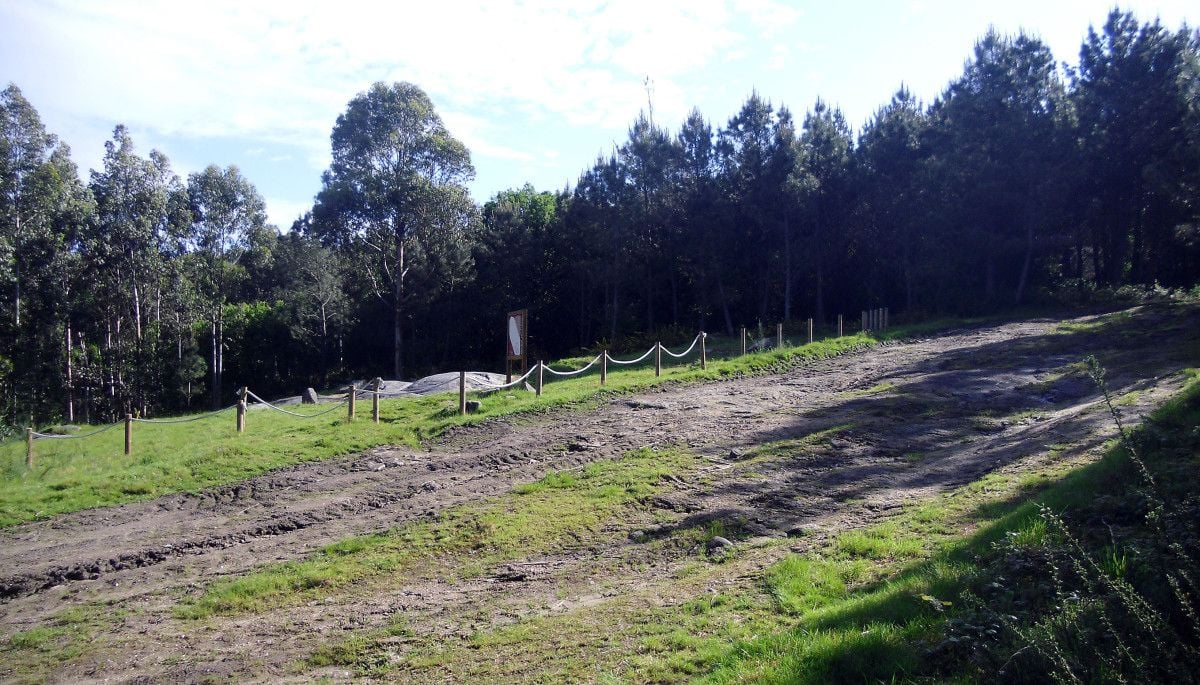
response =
{"points": [[737, 454], [718, 543], [309, 396], [638, 536], [473, 406], [375, 466], [430, 486]]}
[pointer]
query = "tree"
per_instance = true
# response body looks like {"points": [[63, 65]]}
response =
{"points": [[1138, 98], [395, 191], [826, 145], [226, 209], [998, 141], [891, 179], [142, 218], [42, 207]]}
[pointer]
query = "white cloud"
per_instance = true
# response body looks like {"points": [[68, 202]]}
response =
{"points": [[281, 72]]}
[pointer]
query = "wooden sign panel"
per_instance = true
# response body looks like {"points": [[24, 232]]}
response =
{"points": [[517, 334]]}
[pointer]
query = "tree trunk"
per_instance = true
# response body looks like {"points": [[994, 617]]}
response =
{"points": [[1024, 279], [398, 310], [725, 307], [70, 379], [787, 269], [17, 276]]}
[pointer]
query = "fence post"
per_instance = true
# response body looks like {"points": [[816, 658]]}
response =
{"points": [[29, 448], [350, 403], [241, 409], [603, 366], [778, 335], [864, 321], [462, 393], [743, 341], [657, 359], [839, 325], [541, 366], [703, 350], [810, 330], [375, 402], [128, 434], [885, 317]]}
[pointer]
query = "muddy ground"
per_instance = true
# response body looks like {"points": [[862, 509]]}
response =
{"points": [[916, 418]]}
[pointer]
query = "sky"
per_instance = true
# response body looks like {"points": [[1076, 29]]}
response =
{"points": [[536, 90]]}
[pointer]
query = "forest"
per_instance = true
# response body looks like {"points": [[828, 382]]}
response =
{"points": [[136, 290]]}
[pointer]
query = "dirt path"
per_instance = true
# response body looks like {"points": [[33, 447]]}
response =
{"points": [[920, 417]]}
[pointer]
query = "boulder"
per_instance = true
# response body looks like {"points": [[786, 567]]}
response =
{"points": [[309, 396]]}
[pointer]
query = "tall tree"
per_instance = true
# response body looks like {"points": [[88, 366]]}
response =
{"points": [[890, 175], [226, 209], [998, 132], [42, 207], [826, 144], [1138, 97], [395, 190], [141, 219]]}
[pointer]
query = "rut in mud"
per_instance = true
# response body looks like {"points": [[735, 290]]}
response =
{"points": [[913, 419]]}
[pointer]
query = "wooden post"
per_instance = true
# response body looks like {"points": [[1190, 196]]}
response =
{"points": [[778, 335], [541, 366], [241, 409], [839, 325], [657, 359], [864, 321], [350, 401], [810, 330], [603, 367], [128, 434], [885, 317], [375, 402], [703, 351], [743, 341], [462, 393], [29, 448]]}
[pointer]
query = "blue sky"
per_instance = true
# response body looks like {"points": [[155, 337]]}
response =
{"points": [[536, 90]]}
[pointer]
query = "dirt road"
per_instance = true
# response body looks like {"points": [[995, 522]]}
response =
{"points": [[918, 417]]}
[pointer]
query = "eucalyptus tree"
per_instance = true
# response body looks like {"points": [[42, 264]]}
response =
{"points": [[226, 209], [141, 220], [42, 207], [394, 193]]}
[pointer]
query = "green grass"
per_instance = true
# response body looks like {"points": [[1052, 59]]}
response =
{"points": [[33, 655], [868, 623], [532, 519], [69, 475]]}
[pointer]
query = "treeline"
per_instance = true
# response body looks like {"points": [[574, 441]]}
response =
{"points": [[141, 291]]}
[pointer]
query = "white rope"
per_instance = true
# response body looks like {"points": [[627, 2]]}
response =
{"points": [[576, 372], [54, 436], [292, 413], [632, 361], [685, 353], [188, 419], [518, 381]]}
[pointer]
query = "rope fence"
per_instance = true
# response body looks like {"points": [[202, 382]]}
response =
{"points": [[872, 320]]}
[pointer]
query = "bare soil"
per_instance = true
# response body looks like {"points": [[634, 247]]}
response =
{"points": [[916, 418]]}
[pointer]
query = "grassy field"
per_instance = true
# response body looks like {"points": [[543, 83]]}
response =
{"points": [[69, 475]]}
